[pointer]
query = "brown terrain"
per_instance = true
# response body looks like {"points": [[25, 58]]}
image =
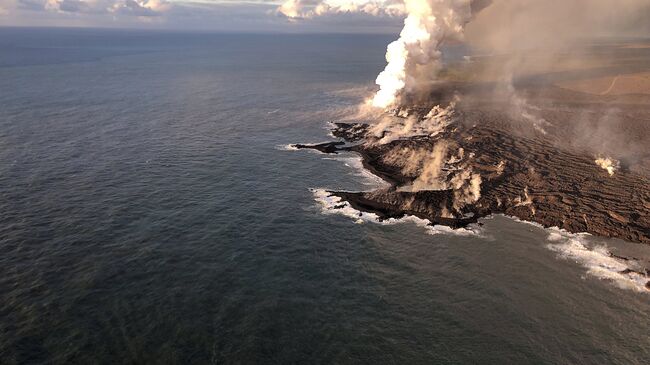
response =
{"points": [[527, 177], [535, 151], [524, 174]]}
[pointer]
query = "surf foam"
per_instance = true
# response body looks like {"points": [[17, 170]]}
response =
{"points": [[287, 147], [597, 259], [332, 204]]}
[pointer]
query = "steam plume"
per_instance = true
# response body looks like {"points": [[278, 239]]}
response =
{"points": [[608, 164], [436, 120], [438, 169], [430, 178], [414, 59], [467, 188]]}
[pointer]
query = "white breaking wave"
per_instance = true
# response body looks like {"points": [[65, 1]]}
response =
{"points": [[287, 147], [335, 205], [292, 147], [597, 259]]}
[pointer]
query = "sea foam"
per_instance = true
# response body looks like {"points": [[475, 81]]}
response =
{"points": [[332, 204], [570, 246], [597, 259], [287, 147]]}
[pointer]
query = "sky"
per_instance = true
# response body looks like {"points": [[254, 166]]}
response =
{"points": [[501, 19], [217, 15]]}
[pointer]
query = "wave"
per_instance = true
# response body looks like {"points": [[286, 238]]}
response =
{"points": [[292, 147], [598, 260], [332, 204], [286, 147]]}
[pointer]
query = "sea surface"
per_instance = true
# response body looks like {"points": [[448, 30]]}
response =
{"points": [[149, 213]]}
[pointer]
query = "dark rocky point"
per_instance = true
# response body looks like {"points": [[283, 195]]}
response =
{"points": [[538, 172], [524, 174], [327, 147]]}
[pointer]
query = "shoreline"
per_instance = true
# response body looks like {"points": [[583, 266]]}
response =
{"points": [[391, 205], [510, 192], [599, 261]]}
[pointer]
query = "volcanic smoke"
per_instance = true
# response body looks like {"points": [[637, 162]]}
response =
{"points": [[452, 147], [608, 164], [414, 60]]}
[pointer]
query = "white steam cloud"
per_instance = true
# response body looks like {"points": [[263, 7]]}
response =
{"points": [[491, 26], [391, 128], [414, 60], [467, 188], [438, 169], [609, 164], [304, 9], [430, 178]]}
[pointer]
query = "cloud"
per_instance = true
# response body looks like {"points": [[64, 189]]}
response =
{"points": [[33, 5], [306, 9], [137, 8], [133, 8], [202, 15], [146, 8], [69, 6]]}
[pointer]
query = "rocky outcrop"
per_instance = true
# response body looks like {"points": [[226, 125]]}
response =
{"points": [[522, 176]]}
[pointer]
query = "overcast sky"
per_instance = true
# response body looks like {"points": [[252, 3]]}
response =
{"points": [[219, 15]]}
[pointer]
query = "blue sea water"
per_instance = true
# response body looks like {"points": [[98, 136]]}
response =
{"points": [[147, 215]]}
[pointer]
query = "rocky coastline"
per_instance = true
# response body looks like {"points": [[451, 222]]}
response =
{"points": [[524, 177]]}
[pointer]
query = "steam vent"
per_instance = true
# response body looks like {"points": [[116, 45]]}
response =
{"points": [[457, 160]]}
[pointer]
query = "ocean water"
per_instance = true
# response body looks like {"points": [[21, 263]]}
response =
{"points": [[149, 214]]}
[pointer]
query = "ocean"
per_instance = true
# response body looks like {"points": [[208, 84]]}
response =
{"points": [[150, 212]]}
